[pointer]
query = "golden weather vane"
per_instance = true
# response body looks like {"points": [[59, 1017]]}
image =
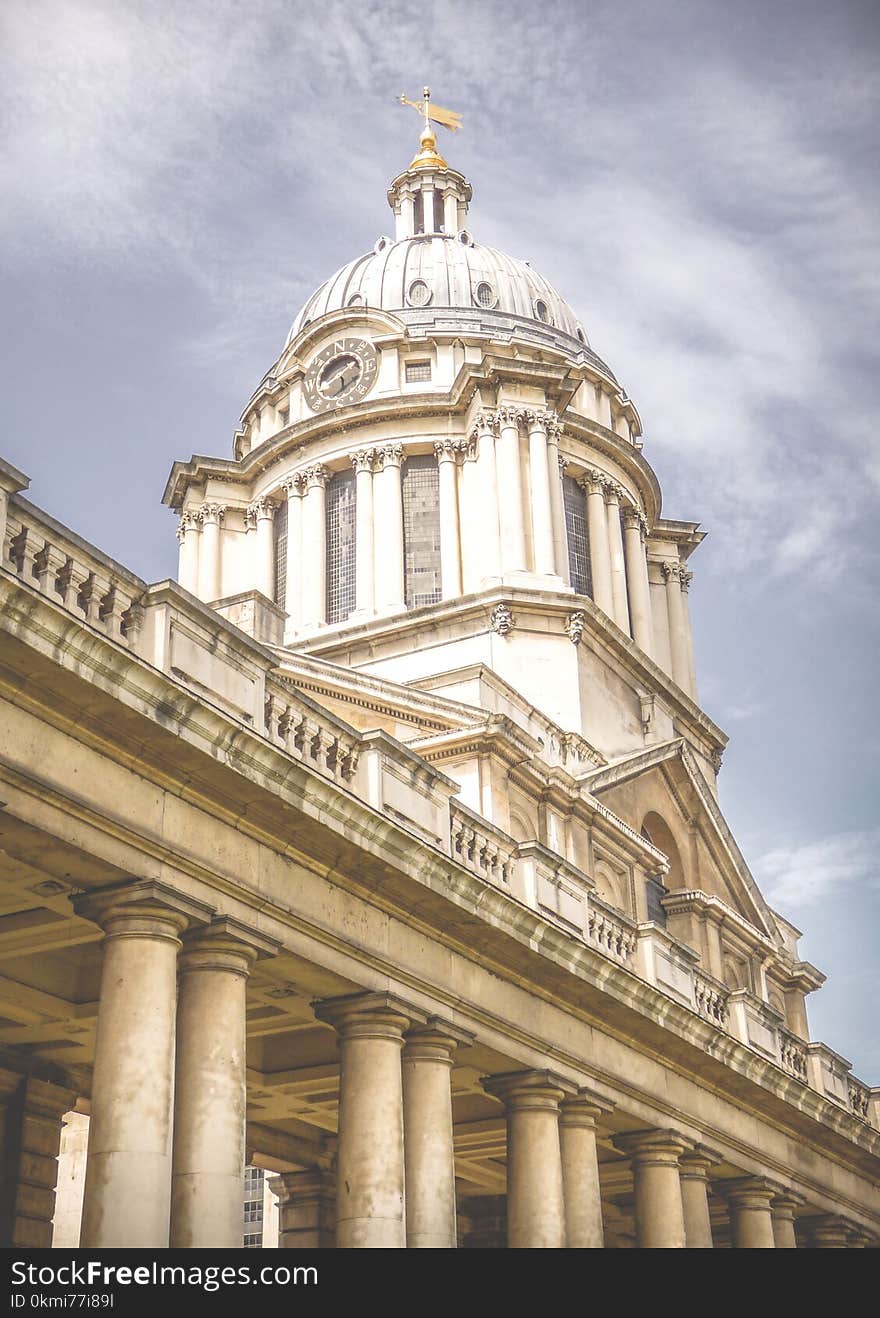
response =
{"points": [[450, 119]]}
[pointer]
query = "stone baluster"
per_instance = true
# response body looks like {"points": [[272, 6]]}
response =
{"points": [[365, 599], [535, 1196], [450, 534], [370, 1160], [654, 1155]]}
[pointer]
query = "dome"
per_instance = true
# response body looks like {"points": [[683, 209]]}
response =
{"points": [[447, 281]]}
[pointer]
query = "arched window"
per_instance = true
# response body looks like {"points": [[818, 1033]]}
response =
{"points": [[340, 546], [280, 531], [421, 531], [575, 504]]}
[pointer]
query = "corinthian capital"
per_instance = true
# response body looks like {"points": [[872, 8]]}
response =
{"points": [[261, 507], [510, 416], [446, 449], [189, 521], [390, 455], [364, 459], [316, 476], [294, 485], [671, 571], [592, 480], [686, 578], [553, 425], [211, 512]]}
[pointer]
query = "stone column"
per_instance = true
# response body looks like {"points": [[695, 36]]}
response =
{"points": [[484, 434], [31, 1123], [580, 1170], [188, 564], [828, 1232], [210, 1089], [510, 495], [686, 579], [210, 515], [597, 527], [751, 1218], [659, 1209], [678, 646], [427, 1131], [694, 1173], [450, 535], [542, 507], [783, 1207], [637, 580], [471, 517], [370, 1165], [263, 513], [556, 466], [615, 553], [127, 1195], [314, 548], [535, 1199], [294, 489], [306, 1208], [389, 529], [362, 461]]}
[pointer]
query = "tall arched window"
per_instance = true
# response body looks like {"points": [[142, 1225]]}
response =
{"points": [[340, 546], [280, 531], [575, 504], [421, 531]]}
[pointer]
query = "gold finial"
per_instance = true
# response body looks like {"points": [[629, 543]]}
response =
{"points": [[428, 156]]}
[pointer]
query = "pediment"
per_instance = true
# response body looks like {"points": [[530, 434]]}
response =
{"points": [[663, 791]]}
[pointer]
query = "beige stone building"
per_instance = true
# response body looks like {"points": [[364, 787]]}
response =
{"points": [[383, 851]]}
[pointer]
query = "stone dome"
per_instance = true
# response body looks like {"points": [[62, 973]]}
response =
{"points": [[446, 280]]}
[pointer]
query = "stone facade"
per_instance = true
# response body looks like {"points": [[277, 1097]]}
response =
{"points": [[384, 851]]}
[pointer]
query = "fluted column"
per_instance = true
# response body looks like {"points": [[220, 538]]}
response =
{"points": [[427, 1126], [615, 553], [580, 1170], [388, 523], [783, 1206], [210, 515], [694, 1168], [450, 534], [263, 513], [637, 580], [541, 501], [535, 1198], [751, 1218], [510, 495], [362, 461], [127, 1197], [678, 645], [306, 1208], [654, 1156], [210, 1089], [294, 488], [487, 470], [314, 548], [188, 539], [370, 1165], [597, 528]]}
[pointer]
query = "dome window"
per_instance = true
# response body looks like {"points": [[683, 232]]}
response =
{"points": [[356, 300], [465, 238], [485, 295], [542, 312], [418, 293], [381, 244], [581, 335]]}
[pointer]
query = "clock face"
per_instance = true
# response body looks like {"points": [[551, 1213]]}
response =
{"points": [[342, 373]]}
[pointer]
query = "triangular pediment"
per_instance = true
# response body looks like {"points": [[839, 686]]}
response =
{"points": [[662, 790]]}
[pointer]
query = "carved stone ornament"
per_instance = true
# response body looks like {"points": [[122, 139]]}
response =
{"points": [[261, 507], [574, 626], [502, 619], [211, 512], [717, 756], [317, 475], [364, 459]]}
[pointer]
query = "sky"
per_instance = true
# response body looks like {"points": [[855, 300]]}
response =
{"points": [[698, 179]]}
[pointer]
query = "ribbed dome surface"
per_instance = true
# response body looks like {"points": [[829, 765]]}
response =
{"points": [[428, 273]]}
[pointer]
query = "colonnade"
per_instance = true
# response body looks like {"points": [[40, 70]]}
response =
{"points": [[166, 1149]]}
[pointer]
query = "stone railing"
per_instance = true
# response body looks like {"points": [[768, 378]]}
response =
{"points": [[793, 1055], [710, 996], [481, 848], [610, 931], [309, 734], [70, 573]]}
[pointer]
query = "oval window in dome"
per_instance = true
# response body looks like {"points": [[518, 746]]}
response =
{"points": [[418, 294], [542, 312], [485, 294]]}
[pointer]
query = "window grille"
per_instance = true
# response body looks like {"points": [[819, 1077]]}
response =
{"points": [[253, 1240], [421, 531], [416, 371], [575, 504], [485, 295], [655, 891], [340, 546], [280, 532]]}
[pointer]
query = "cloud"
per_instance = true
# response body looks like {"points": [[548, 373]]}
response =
{"points": [[807, 873]]}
